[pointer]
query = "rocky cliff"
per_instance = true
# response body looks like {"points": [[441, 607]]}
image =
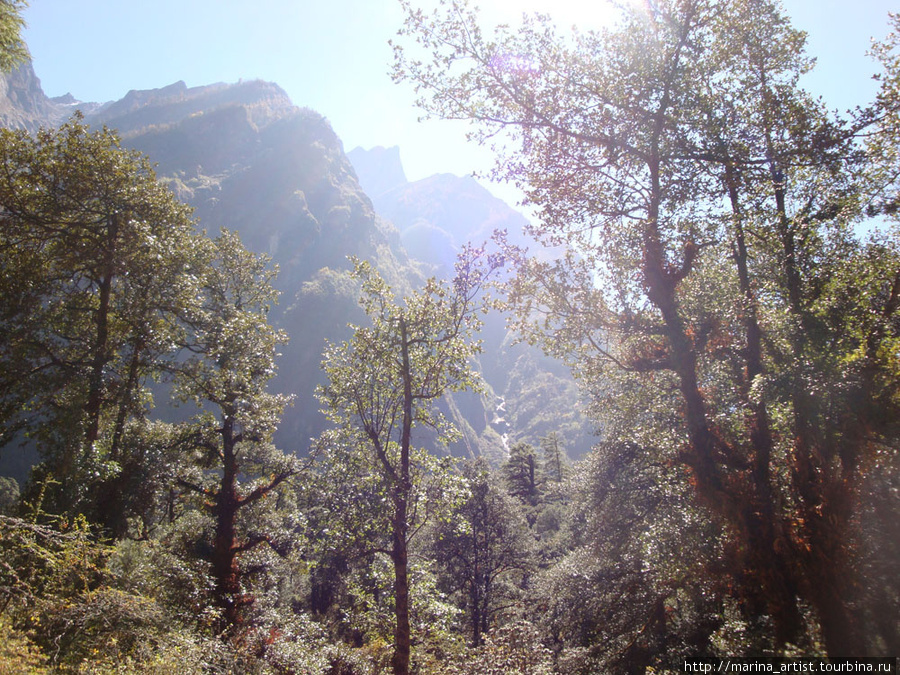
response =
{"points": [[23, 104], [248, 160]]}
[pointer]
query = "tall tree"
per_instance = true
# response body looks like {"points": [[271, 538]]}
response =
{"points": [[232, 347], [383, 383], [706, 299], [521, 472], [554, 457], [484, 550], [98, 261]]}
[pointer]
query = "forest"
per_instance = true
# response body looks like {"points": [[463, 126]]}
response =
{"points": [[719, 270]]}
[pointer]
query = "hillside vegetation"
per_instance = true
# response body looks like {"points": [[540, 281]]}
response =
{"points": [[254, 419]]}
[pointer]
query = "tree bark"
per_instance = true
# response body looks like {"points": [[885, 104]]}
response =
{"points": [[100, 356], [765, 581], [770, 584], [400, 559], [399, 552], [224, 553]]}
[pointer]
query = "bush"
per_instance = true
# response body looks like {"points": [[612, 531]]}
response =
{"points": [[513, 649]]}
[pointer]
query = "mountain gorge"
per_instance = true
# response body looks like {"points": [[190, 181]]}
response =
{"points": [[246, 159], [270, 407], [436, 216]]}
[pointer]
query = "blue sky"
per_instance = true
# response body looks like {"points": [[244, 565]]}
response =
{"points": [[333, 56]]}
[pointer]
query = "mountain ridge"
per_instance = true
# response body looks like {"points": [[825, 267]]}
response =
{"points": [[247, 159]]}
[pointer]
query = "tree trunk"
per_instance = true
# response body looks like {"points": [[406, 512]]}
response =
{"points": [[766, 582], [475, 592], [110, 506], [100, 355], [400, 558], [399, 553], [770, 584], [224, 553]]}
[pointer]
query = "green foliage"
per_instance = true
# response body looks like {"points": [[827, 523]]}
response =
{"points": [[736, 339], [106, 287], [13, 50], [522, 474], [98, 262], [9, 495], [712, 297], [634, 592], [555, 462], [540, 401], [234, 470], [436, 324], [103, 625], [18, 654], [171, 569], [40, 561], [53, 598], [882, 147], [383, 384], [483, 551], [513, 649]]}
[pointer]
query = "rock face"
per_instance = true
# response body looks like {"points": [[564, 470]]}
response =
{"points": [[530, 395], [248, 160], [23, 104]]}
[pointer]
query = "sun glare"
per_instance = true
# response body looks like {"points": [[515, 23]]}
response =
{"points": [[585, 14]]}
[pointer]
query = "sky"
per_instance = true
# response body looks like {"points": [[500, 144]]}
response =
{"points": [[333, 56]]}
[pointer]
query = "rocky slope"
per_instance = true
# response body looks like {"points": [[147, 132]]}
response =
{"points": [[247, 159], [530, 395]]}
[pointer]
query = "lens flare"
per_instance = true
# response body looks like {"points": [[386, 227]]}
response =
{"points": [[585, 15]]}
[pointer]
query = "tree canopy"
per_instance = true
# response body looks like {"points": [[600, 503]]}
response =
{"points": [[99, 263], [722, 276], [13, 49], [715, 298], [385, 381]]}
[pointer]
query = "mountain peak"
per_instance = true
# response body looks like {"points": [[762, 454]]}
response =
{"points": [[65, 99], [23, 104], [176, 102], [379, 170]]}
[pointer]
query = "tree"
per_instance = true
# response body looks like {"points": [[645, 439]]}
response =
{"points": [[882, 147], [483, 549], [521, 471], [383, 383], [98, 261], [707, 300], [636, 589], [235, 467], [554, 457], [13, 49]]}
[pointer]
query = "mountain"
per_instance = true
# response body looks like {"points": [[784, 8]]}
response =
{"points": [[248, 160], [530, 394], [23, 104], [437, 215]]}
